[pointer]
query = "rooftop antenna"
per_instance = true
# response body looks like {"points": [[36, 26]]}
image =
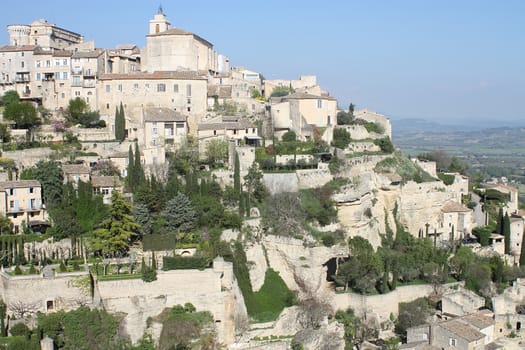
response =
{"points": [[161, 12]]}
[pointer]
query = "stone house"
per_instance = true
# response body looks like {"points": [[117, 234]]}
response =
{"points": [[21, 202], [164, 127], [124, 59], [238, 131], [471, 332], [105, 185], [52, 76], [15, 69], [305, 82], [301, 112], [85, 70], [455, 217], [509, 309], [75, 172]]}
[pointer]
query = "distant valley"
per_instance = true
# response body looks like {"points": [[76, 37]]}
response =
{"points": [[494, 151]]}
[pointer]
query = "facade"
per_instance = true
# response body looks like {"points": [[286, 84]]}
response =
{"points": [[455, 218], [164, 127], [305, 82], [74, 173], [52, 74], [105, 185], [21, 202], [86, 66], [183, 92], [471, 332], [42, 33], [301, 112], [236, 130], [16, 64], [174, 49]]}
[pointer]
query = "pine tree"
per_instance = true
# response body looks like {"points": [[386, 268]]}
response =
{"points": [[506, 232], [115, 233], [179, 214]]}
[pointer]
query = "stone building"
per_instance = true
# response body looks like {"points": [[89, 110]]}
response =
{"points": [[184, 92], [174, 49], [21, 202], [105, 185], [42, 33], [164, 127], [301, 112]]}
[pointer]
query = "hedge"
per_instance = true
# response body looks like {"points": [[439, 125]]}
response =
{"points": [[185, 263], [159, 242]]}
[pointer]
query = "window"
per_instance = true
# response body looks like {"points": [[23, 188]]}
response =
{"points": [[176, 88], [161, 87], [31, 190], [107, 105], [11, 204], [452, 342], [11, 191], [188, 101], [64, 75], [32, 204], [48, 63], [64, 62], [108, 88], [188, 90], [57, 62], [22, 64], [146, 87], [105, 191], [37, 64], [119, 87], [135, 87], [319, 103], [38, 77], [155, 131]]}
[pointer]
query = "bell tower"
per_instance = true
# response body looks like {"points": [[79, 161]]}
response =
{"points": [[159, 23]]}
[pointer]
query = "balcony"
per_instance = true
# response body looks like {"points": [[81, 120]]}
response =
{"points": [[89, 84], [22, 78], [89, 73], [76, 71]]}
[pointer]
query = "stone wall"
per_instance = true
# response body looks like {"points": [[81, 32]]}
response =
{"points": [[313, 178], [281, 182], [59, 292], [208, 290], [380, 305]]}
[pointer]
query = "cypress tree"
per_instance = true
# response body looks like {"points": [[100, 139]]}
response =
{"points": [[131, 177], [499, 222], [506, 232], [139, 171], [237, 175], [122, 121]]}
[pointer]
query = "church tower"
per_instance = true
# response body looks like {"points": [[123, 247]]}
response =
{"points": [[159, 23]]}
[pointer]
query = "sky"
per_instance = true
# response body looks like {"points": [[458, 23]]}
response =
{"points": [[442, 60]]}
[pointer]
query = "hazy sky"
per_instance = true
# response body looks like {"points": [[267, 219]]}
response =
{"points": [[445, 60]]}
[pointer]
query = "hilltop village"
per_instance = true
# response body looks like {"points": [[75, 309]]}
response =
{"points": [[159, 198]]}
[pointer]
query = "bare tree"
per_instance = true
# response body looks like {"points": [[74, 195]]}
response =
{"points": [[22, 309], [312, 313]]}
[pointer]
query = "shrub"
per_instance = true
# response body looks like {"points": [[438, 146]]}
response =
{"points": [[20, 329], [374, 127], [18, 270], [447, 179], [385, 145], [341, 138], [328, 240]]}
